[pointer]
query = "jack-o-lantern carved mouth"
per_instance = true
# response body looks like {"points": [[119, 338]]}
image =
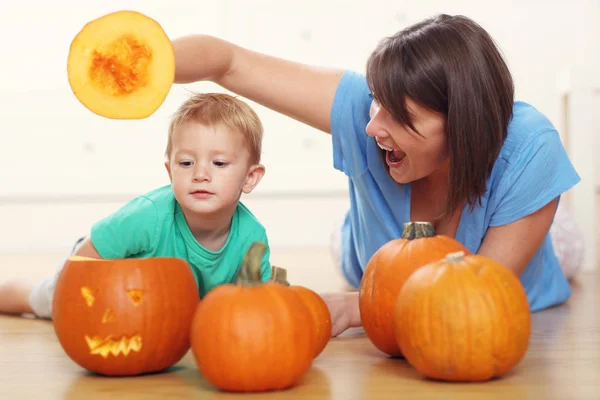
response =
{"points": [[105, 347]]}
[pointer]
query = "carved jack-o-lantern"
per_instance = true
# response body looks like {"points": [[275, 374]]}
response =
{"points": [[126, 316]]}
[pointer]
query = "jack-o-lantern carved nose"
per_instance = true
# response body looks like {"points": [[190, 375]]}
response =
{"points": [[88, 295], [136, 296], [109, 316]]}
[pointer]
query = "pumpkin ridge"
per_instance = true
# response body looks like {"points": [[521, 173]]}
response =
{"points": [[283, 314], [499, 335], [505, 306], [469, 334]]}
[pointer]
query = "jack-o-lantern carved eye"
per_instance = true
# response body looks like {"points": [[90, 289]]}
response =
{"points": [[88, 295], [136, 296]]}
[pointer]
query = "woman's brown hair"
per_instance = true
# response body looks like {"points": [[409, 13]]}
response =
{"points": [[451, 65]]}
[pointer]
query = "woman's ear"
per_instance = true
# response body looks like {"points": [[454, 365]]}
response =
{"points": [[255, 174]]}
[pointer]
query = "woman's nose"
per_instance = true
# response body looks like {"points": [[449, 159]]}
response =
{"points": [[375, 129]]}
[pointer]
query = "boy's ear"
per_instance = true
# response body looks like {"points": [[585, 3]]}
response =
{"points": [[255, 174], [168, 167]]}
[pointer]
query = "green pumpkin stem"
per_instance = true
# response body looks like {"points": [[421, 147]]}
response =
{"points": [[250, 270], [279, 275], [416, 230]]}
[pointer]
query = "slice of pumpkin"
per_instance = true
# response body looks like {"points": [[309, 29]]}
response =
{"points": [[121, 65]]}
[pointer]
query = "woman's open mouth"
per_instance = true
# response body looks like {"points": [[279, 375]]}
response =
{"points": [[393, 157]]}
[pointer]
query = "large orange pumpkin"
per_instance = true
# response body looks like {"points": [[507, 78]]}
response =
{"points": [[252, 336], [121, 65], [125, 316], [387, 271], [463, 318]]}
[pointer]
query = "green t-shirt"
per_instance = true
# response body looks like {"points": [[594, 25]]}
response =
{"points": [[153, 225]]}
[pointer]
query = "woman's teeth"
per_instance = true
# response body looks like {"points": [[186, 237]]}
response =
{"points": [[383, 147]]}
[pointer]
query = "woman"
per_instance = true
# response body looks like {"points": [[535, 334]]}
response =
{"points": [[432, 133]]}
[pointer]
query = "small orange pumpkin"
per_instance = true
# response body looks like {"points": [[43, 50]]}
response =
{"points": [[463, 318], [387, 271], [124, 316], [316, 304], [252, 336], [320, 313]]}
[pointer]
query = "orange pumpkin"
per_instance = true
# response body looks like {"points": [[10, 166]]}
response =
{"points": [[387, 271], [320, 314], [125, 316], [252, 336], [463, 318]]}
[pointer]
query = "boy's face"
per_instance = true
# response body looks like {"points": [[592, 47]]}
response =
{"points": [[210, 167]]}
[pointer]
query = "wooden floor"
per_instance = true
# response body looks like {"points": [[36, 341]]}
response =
{"points": [[563, 361]]}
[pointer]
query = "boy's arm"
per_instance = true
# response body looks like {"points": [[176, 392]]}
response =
{"points": [[87, 249], [130, 230]]}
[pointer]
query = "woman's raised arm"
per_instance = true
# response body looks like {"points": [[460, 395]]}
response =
{"points": [[300, 91]]}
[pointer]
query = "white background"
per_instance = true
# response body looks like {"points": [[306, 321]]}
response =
{"points": [[62, 167]]}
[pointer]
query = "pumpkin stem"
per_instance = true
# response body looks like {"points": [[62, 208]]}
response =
{"points": [[250, 270], [416, 230], [455, 257], [279, 275]]}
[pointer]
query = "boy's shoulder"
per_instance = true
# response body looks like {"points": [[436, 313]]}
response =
{"points": [[161, 197], [159, 202], [248, 224]]}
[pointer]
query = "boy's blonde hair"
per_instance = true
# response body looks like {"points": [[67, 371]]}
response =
{"points": [[218, 108]]}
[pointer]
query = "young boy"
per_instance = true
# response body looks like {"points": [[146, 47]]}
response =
{"points": [[212, 157]]}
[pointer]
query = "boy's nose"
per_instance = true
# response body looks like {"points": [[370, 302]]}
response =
{"points": [[201, 175]]}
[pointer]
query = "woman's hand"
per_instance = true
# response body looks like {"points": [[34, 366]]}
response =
{"points": [[344, 311]]}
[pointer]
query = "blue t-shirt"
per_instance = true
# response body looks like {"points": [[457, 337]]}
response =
{"points": [[531, 170]]}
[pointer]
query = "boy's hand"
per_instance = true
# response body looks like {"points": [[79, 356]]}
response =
{"points": [[344, 311]]}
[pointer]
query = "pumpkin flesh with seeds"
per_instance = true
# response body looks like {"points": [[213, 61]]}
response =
{"points": [[121, 65], [386, 272]]}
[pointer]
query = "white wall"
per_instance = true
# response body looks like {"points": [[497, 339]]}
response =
{"points": [[54, 154]]}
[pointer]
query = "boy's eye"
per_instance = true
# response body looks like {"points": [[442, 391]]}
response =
{"points": [[220, 163], [185, 163]]}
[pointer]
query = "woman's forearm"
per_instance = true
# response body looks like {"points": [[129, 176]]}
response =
{"points": [[353, 310], [201, 58], [300, 91]]}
